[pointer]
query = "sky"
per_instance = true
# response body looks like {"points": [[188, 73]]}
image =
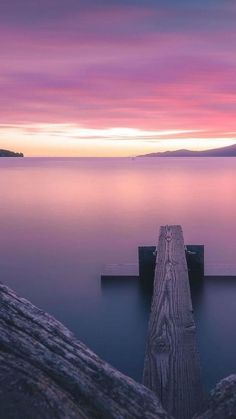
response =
{"points": [[116, 77]]}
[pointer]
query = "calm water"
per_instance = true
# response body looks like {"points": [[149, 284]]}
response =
{"points": [[63, 220]]}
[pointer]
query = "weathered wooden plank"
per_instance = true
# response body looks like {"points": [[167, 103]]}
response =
{"points": [[147, 263], [46, 373], [172, 366]]}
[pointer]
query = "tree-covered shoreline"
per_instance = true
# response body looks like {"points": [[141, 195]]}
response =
{"points": [[8, 153]]}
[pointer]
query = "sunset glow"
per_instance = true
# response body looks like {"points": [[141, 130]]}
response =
{"points": [[118, 79]]}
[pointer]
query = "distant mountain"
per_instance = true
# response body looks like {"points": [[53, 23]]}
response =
{"points": [[229, 151], [7, 153]]}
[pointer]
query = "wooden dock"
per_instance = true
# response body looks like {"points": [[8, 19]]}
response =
{"points": [[172, 365], [46, 373], [147, 263]]}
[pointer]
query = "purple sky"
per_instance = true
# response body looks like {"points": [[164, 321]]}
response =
{"points": [[115, 77]]}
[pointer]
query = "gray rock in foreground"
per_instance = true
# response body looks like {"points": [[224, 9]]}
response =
{"points": [[45, 373], [222, 401]]}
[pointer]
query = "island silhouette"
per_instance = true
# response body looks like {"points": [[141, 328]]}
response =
{"points": [[8, 153], [229, 151]]}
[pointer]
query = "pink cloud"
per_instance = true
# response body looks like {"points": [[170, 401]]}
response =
{"points": [[110, 68]]}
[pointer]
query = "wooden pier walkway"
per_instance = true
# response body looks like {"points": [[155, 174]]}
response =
{"points": [[172, 366]]}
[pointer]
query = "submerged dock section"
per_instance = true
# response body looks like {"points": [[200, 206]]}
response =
{"points": [[172, 365]]}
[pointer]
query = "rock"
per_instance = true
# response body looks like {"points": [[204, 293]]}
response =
{"points": [[46, 373], [222, 401]]}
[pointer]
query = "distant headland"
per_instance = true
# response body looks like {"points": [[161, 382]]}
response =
{"points": [[229, 151], [7, 153]]}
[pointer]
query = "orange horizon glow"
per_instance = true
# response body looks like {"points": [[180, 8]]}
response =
{"points": [[48, 140]]}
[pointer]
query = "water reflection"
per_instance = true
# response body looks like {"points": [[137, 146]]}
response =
{"points": [[62, 220], [127, 308], [215, 312]]}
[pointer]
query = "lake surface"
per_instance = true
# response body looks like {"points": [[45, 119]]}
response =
{"points": [[63, 220]]}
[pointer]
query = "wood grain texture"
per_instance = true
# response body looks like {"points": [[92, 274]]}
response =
{"points": [[172, 366], [45, 373]]}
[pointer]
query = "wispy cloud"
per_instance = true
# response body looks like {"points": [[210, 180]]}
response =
{"points": [[150, 66]]}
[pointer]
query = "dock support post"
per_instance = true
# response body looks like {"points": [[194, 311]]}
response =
{"points": [[195, 259], [147, 264]]}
